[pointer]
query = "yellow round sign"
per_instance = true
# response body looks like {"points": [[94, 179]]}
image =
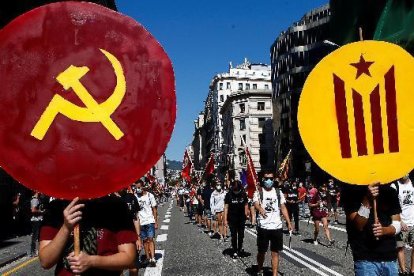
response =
{"points": [[356, 113]]}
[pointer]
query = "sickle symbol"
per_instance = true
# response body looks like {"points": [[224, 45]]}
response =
{"points": [[93, 112]]}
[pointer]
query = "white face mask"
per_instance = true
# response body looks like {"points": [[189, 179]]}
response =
{"points": [[218, 188]]}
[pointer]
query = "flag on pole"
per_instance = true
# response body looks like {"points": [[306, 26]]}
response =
{"points": [[209, 166], [251, 177], [187, 167], [283, 171]]}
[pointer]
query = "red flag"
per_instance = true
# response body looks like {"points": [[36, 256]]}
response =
{"points": [[252, 179], [187, 167], [210, 166], [150, 178]]}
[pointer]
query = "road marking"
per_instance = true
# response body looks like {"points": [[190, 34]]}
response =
{"points": [[10, 272], [162, 237], [167, 216], [306, 261], [329, 226], [156, 271], [312, 261], [164, 227], [168, 213], [166, 221]]}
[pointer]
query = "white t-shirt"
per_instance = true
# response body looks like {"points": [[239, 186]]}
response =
{"points": [[406, 197], [217, 201], [271, 206], [146, 203]]}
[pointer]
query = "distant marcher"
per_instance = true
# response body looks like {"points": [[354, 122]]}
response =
{"points": [[333, 200], [270, 202], [302, 192], [292, 203], [235, 213], [37, 211], [318, 205], [217, 209], [148, 218]]}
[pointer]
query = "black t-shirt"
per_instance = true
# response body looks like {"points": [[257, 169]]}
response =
{"points": [[291, 194], [132, 204], [363, 243], [207, 191], [332, 190], [237, 203]]}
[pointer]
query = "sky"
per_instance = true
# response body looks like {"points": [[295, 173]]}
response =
{"points": [[202, 37]]}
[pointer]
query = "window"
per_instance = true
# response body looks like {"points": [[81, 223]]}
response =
{"points": [[221, 98], [262, 138], [266, 86], [240, 86], [244, 138], [228, 85], [263, 157], [242, 124], [242, 108], [260, 106], [261, 122], [247, 86], [221, 86], [254, 85], [242, 159]]}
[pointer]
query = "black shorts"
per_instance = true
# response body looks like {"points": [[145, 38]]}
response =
{"points": [[200, 209], [264, 236]]}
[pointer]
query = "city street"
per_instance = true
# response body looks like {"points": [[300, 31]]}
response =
{"points": [[184, 249]]}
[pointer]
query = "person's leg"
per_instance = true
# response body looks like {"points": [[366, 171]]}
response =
{"points": [[233, 231], [296, 217], [151, 247], [151, 236], [326, 228], [240, 236], [262, 246], [220, 224], [33, 241], [389, 268], [401, 258], [275, 263], [316, 232], [147, 249]]}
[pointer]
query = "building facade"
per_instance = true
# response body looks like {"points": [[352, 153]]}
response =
{"points": [[293, 55], [247, 120], [243, 77]]}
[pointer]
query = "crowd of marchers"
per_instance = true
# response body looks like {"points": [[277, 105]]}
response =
{"points": [[377, 237]]}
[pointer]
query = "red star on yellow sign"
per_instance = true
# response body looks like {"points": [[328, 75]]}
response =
{"points": [[362, 67]]}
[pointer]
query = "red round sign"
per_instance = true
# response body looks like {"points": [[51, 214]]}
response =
{"points": [[87, 101]]}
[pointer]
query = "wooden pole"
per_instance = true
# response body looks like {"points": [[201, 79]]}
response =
{"points": [[374, 200], [76, 237]]}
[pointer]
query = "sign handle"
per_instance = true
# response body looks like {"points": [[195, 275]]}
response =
{"points": [[76, 240]]}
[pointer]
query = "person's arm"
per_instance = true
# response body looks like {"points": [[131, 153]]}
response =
{"points": [[390, 230], [137, 226], [285, 214], [155, 214], [118, 261], [50, 251], [246, 210], [226, 211]]}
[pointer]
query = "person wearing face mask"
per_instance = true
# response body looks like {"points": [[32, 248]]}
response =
{"points": [[269, 203], [217, 209], [236, 211]]}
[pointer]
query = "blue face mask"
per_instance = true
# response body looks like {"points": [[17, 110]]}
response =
{"points": [[139, 191], [268, 183]]}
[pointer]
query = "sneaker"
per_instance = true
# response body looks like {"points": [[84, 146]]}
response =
{"points": [[403, 273], [336, 222], [315, 242], [145, 262], [152, 263], [331, 242], [241, 253], [234, 255], [260, 273], [210, 234]]}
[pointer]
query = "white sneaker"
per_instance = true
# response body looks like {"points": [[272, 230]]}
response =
{"points": [[315, 242]]}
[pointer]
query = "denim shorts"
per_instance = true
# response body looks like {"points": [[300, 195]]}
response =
{"points": [[147, 231], [363, 268]]}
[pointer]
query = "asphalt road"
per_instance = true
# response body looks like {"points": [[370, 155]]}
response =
{"points": [[184, 249]]}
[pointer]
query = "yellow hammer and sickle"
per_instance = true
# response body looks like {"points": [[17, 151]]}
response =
{"points": [[93, 112]]}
